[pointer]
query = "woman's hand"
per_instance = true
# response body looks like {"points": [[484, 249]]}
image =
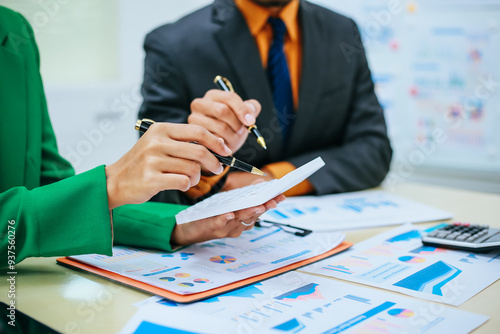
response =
{"points": [[222, 226], [164, 158]]}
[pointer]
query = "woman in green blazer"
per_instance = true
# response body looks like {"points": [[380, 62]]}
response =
{"points": [[46, 210]]}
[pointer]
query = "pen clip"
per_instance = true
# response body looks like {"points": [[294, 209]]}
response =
{"points": [[225, 81], [228, 84], [301, 232]]}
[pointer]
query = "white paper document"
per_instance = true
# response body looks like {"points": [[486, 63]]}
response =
{"points": [[249, 196], [302, 303], [212, 264], [396, 260], [361, 209]]}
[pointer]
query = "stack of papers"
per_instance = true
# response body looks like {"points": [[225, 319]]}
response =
{"points": [[362, 209], [302, 303], [396, 260], [212, 264]]}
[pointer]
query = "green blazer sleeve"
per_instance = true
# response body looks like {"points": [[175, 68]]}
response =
{"points": [[145, 225], [67, 217]]}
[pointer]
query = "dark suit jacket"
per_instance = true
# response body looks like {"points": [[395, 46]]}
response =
{"points": [[339, 117]]}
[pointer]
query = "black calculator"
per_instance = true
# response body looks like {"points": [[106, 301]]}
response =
{"points": [[464, 236]]}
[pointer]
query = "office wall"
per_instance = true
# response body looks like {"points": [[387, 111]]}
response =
{"points": [[93, 101], [434, 63], [436, 69]]}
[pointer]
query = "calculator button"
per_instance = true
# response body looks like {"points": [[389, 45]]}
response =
{"points": [[461, 238]]}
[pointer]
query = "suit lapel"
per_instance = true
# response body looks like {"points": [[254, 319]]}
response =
{"points": [[13, 106], [242, 54], [313, 63]]}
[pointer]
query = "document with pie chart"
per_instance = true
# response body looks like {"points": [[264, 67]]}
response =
{"points": [[213, 264]]}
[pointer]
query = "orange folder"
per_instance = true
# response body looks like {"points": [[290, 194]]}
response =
{"points": [[71, 263]]}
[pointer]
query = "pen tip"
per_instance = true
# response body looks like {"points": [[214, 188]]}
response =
{"points": [[257, 171], [262, 143]]}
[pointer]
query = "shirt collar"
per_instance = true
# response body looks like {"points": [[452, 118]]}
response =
{"points": [[256, 17]]}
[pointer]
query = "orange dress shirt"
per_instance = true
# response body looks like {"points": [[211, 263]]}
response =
{"points": [[256, 18]]}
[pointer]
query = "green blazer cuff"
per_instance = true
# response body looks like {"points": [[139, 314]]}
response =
{"points": [[69, 217], [147, 225]]}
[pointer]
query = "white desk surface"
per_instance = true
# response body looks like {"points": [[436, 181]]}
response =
{"points": [[76, 302]]}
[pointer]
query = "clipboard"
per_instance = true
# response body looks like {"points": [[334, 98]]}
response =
{"points": [[74, 264]]}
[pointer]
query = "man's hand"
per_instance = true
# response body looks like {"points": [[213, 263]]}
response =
{"points": [[241, 179], [164, 158], [225, 115], [222, 226]]}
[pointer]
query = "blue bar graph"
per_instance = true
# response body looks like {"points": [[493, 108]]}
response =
{"points": [[362, 317], [430, 279], [293, 326], [358, 299]]}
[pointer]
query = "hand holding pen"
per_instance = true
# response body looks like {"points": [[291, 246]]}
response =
{"points": [[163, 159], [225, 85], [226, 115], [143, 125]]}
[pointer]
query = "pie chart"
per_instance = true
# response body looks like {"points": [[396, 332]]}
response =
{"points": [[401, 313], [201, 280], [185, 285], [222, 259], [182, 275], [168, 279], [412, 259]]}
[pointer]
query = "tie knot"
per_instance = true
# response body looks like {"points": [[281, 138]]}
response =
{"points": [[279, 28]]}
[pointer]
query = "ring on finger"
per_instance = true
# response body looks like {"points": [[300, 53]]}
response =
{"points": [[245, 224]]}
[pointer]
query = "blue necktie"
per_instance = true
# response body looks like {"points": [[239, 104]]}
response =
{"points": [[279, 78]]}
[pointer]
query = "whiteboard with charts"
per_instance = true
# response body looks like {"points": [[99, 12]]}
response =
{"points": [[436, 71]]}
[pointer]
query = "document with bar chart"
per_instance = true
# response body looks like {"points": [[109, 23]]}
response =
{"points": [[396, 260], [300, 303], [213, 264], [361, 209]]}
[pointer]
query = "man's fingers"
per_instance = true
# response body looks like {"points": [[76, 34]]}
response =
{"points": [[254, 106], [216, 127], [219, 111], [246, 113], [194, 133]]}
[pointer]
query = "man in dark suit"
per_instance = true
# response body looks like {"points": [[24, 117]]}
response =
{"points": [[306, 67]]}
